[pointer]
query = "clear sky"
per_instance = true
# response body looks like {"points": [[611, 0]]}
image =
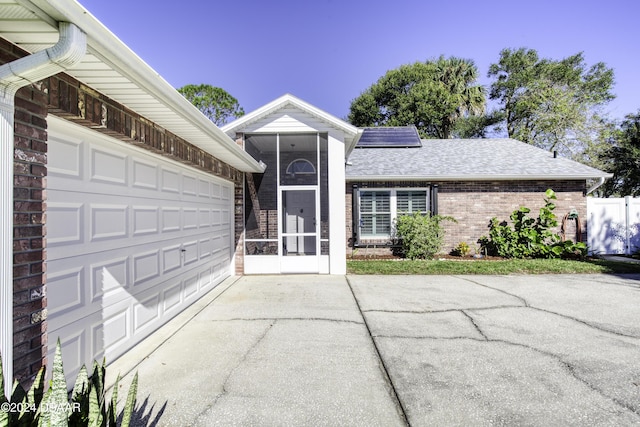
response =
{"points": [[327, 52]]}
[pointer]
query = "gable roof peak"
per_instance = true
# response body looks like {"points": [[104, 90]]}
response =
{"points": [[282, 102]]}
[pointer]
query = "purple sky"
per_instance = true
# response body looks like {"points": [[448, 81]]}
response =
{"points": [[327, 52]]}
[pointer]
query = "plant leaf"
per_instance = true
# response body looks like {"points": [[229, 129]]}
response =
{"points": [[113, 406], [95, 413], [58, 398], [131, 402], [36, 392]]}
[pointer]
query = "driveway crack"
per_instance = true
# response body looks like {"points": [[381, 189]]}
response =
{"points": [[475, 325], [447, 310], [527, 305], [572, 371], [524, 301], [235, 368], [315, 319], [569, 368], [385, 371], [585, 323]]}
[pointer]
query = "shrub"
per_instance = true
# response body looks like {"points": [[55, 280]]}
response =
{"points": [[419, 235], [462, 249], [87, 406], [529, 237]]}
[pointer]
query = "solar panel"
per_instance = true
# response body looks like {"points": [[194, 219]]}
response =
{"points": [[387, 137]]}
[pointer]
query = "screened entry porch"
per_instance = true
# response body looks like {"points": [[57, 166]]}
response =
{"points": [[287, 207]]}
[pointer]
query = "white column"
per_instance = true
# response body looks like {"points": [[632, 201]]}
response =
{"points": [[337, 212], [6, 236]]}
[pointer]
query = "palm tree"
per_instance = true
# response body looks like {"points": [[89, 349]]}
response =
{"points": [[430, 95], [457, 75]]}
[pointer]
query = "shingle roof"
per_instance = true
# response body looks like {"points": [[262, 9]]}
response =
{"points": [[465, 159]]}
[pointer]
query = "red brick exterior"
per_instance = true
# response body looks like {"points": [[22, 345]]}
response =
{"points": [[29, 169], [474, 203], [29, 302], [68, 98]]}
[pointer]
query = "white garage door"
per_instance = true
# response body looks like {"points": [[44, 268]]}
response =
{"points": [[132, 240]]}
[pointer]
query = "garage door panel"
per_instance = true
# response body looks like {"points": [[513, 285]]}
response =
{"points": [[145, 312], [145, 175], [112, 332], [190, 252], [108, 221], [170, 182], [65, 290], [65, 222], [108, 166], [190, 219], [75, 348], [171, 258], [191, 286], [109, 277], [170, 219], [132, 239], [146, 266], [171, 298], [145, 220], [67, 158]]}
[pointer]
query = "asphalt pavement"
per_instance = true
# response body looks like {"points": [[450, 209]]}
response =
{"points": [[305, 350]]}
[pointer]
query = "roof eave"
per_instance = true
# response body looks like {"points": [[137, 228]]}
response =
{"points": [[284, 101], [396, 178]]}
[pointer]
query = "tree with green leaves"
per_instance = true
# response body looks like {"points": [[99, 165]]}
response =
{"points": [[622, 158], [431, 95], [215, 103], [549, 103]]}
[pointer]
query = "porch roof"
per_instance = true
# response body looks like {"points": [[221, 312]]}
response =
{"points": [[351, 133], [465, 160]]}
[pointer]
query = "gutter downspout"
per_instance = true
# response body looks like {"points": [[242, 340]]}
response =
{"points": [[69, 50], [595, 186]]}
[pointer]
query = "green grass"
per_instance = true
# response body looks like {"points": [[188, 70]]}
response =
{"points": [[510, 266]]}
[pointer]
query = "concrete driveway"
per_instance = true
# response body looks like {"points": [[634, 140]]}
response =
{"points": [[397, 350]]}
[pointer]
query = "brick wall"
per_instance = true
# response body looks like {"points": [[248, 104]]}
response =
{"points": [[473, 204], [29, 302], [29, 168]]}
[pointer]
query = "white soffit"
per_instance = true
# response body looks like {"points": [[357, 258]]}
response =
{"points": [[113, 69]]}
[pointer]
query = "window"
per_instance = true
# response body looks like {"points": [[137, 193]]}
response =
{"points": [[378, 209], [409, 201], [301, 166], [375, 213]]}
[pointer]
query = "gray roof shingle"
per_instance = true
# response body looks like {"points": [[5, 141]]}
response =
{"points": [[465, 159]]}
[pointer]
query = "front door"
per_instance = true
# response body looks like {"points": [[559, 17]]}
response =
{"points": [[299, 237]]}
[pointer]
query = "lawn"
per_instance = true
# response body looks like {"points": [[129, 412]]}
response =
{"points": [[508, 266]]}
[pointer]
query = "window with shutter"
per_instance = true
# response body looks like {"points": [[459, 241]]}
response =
{"points": [[411, 201], [375, 213], [378, 209]]}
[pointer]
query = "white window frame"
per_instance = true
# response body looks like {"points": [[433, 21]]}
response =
{"points": [[393, 204]]}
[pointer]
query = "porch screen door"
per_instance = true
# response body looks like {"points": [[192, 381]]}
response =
{"points": [[299, 235]]}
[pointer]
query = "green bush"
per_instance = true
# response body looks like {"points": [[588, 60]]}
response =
{"points": [[87, 406], [419, 236], [462, 249], [529, 237]]}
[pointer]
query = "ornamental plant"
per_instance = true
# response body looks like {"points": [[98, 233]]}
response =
{"points": [[462, 249], [420, 235], [85, 407], [530, 237]]}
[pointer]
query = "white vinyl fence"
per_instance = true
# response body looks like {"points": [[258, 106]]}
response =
{"points": [[613, 225]]}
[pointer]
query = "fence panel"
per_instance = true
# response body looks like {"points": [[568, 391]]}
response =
{"points": [[613, 225]]}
